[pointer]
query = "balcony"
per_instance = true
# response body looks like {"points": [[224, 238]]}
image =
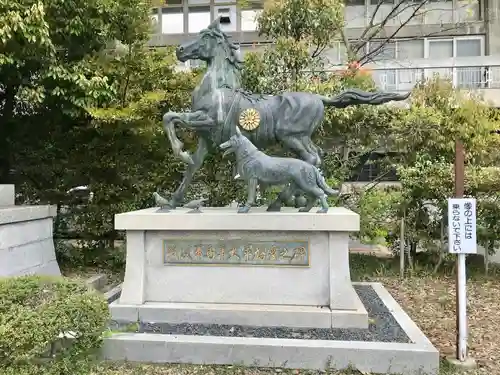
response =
{"points": [[478, 74]]}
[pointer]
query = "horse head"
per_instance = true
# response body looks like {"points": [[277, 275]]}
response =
{"points": [[210, 43]]}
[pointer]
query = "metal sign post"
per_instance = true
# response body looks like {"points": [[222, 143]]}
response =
{"points": [[461, 241]]}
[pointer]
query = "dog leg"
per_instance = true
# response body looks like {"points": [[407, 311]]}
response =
{"points": [[251, 193], [324, 205], [311, 201]]}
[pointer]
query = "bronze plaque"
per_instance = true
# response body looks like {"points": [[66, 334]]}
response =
{"points": [[236, 252]]}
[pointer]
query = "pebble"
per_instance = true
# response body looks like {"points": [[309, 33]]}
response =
{"points": [[382, 326]]}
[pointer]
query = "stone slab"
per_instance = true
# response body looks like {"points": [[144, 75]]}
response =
{"points": [[15, 214], [113, 294], [26, 241], [7, 195], [242, 314], [416, 357], [337, 219], [97, 282]]}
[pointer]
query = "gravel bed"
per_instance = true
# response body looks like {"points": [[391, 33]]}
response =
{"points": [[382, 328]]}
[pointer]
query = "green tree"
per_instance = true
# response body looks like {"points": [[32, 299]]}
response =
{"points": [[44, 45], [424, 135]]}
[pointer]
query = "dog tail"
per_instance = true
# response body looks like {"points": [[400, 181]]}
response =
{"points": [[322, 183]]}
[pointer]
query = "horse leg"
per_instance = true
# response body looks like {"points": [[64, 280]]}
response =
{"points": [[198, 159], [295, 145], [283, 196], [300, 148], [191, 120], [312, 149]]}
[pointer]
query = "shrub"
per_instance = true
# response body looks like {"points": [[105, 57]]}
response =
{"points": [[35, 311]]}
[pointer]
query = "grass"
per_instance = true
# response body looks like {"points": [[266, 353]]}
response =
{"points": [[429, 299]]}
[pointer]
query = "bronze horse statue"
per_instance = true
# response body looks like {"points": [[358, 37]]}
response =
{"points": [[219, 105]]}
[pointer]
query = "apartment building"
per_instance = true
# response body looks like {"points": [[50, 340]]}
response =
{"points": [[455, 38]]}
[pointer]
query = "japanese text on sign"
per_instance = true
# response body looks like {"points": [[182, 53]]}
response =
{"points": [[462, 226]]}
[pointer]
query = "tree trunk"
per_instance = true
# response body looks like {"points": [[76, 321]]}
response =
{"points": [[412, 252], [402, 248], [6, 119], [489, 247], [441, 248]]}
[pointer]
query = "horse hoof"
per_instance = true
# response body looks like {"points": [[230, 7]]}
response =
{"points": [[273, 209], [243, 210], [304, 209], [322, 211]]}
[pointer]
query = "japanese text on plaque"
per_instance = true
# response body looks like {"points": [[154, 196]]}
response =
{"points": [[236, 252]]}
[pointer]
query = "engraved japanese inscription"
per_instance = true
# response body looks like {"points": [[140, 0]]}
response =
{"points": [[236, 252]]}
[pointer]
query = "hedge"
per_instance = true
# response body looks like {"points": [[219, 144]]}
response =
{"points": [[35, 311]]}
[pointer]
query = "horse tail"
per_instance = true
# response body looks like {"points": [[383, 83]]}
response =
{"points": [[322, 183], [356, 96]]}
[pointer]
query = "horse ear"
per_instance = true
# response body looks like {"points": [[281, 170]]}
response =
{"points": [[238, 132], [215, 24]]}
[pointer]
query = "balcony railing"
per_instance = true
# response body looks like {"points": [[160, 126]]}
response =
{"points": [[470, 77], [464, 73]]}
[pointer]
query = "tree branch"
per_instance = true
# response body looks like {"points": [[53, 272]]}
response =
{"points": [[375, 31], [350, 54]]}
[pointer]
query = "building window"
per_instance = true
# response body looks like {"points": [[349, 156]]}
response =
{"points": [[468, 47], [199, 2], [249, 19], [462, 77], [410, 49], [172, 21], [227, 14], [382, 50], [198, 19], [440, 49]]}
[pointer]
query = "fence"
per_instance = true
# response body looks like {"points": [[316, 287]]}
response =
{"points": [[484, 73]]}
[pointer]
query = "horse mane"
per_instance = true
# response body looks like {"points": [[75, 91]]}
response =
{"points": [[231, 49]]}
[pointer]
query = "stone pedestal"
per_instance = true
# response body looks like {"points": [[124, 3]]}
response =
{"points": [[260, 269], [26, 241]]}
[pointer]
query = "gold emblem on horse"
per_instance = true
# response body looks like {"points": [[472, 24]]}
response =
{"points": [[249, 119]]}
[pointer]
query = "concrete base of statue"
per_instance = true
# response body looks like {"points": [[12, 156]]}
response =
{"points": [[211, 287], [220, 267]]}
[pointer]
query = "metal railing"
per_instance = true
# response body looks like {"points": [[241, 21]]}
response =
{"points": [[465, 73], [469, 77]]}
